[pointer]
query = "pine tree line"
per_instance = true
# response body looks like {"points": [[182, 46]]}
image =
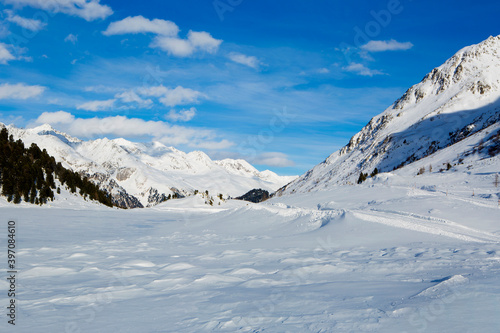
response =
{"points": [[28, 174], [364, 176]]}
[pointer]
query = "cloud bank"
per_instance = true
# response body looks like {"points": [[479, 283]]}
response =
{"points": [[362, 70], [242, 59], [120, 126], [20, 91], [390, 45], [167, 36], [89, 10]]}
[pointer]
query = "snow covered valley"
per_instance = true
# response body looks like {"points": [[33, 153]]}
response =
{"points": [[396, 254]]}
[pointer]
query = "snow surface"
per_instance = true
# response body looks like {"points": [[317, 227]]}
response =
{"points": [[401, 253]]}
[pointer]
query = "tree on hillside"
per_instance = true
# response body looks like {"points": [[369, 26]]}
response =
{"points": [[362, 177], [29, 174]]}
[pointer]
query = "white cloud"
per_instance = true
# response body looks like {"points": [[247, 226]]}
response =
{"points": [[19, 91], [174, 46], [71, 38], [87, 9], [204, 41], [131, 97], [120, 126], [242, 59], [102, 89], [155, 91], [365, 55], [389, 45], [140, 24], [166, 38], [59, 117], [10, 52], [273, 159], [5, 55], [172, 97], [97, 105], [196, 41], [26, 23], [144, 98], [4, 30], [183, 115], [215, 145], [180, 96], [361, 69]]}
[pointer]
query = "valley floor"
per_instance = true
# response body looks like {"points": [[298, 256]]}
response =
{"points": [[371, 258]]}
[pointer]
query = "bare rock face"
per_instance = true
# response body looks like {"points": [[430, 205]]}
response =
{"points": [[119, 196]]}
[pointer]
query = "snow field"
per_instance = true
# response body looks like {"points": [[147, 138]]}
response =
{"points": [[371, 258]]}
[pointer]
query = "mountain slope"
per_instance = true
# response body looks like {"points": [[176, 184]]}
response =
{"points": [[458, 100], [145, 174], [32, 175]]}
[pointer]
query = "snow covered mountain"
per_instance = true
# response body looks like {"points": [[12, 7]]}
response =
{"points": [[451, 116], [144, 174]]}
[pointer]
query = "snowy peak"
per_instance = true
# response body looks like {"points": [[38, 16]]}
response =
{"points": [[200, 159], [47, 129], [145, 174], [243, 168], [238, 166], [474, 68], [456, 101], [468, 80], [44, 128]]}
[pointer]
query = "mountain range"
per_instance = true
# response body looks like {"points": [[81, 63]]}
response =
{"points": [[451, 117], [145, 174]]}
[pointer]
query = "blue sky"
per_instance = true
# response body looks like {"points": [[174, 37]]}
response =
{"points": [[282, 84]]}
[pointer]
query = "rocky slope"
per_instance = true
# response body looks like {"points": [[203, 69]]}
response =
{"points": [[456, 101]]}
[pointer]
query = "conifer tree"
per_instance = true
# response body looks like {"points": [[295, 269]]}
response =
{"points": [[29, 174]]}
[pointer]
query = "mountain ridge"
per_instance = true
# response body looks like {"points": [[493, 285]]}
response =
{"points": [[454, 101], [145, 174]]}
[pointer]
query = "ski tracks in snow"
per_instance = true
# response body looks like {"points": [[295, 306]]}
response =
{"points": [[425, 224]]}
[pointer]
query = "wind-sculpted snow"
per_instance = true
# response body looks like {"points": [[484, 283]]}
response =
{"points": [[385, 256]]}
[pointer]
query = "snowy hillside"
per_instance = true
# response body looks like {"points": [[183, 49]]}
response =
{"points": [[144, 174], [380, 257], [460, 100]]}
